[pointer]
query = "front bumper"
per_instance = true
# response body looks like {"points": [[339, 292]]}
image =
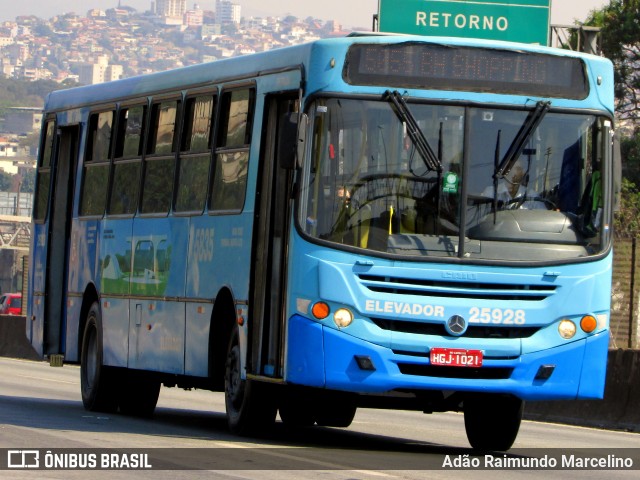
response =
{"points": [[323, 357]]}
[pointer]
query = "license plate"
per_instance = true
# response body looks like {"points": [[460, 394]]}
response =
{"points": [[456, 357]]}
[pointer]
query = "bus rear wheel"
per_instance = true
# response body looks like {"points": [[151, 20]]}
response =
{"points": [[492, 421], [251, 407], [98, 383]]}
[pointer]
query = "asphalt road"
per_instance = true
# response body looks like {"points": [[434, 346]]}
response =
{"points": [[40, 409]]}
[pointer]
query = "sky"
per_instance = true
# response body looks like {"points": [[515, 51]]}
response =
{"points": [[350, 13]]}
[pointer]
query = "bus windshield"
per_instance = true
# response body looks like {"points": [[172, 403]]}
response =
{"points": [[496, 184]]}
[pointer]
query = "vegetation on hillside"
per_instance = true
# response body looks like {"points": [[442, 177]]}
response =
{"points": [[21, 93]]}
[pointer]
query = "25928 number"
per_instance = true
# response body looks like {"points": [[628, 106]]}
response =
{"points": [[497, 316]]}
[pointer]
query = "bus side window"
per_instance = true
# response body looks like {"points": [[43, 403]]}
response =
{"points": [[96, 164], [41, 205], [159, 163], [195, 156], [232, 150], [127, 158]]}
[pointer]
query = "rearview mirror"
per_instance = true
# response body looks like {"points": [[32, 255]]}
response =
{"points": [[291, 140]]}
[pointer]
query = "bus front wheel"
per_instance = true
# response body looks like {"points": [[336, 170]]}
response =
{"points": [[336, 415], [97, 382], [297, 409], [139, 394], [251, 407], [492, 421]]}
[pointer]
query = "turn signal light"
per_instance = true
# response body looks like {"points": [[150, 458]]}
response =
{"points": [[588, 323], [320, 310]]}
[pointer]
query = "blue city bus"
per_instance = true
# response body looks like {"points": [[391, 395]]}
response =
{"points": [[377, 221]]}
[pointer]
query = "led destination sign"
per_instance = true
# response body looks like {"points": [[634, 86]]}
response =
{"points": [[433, 66]]}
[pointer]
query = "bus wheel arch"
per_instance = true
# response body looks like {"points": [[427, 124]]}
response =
{"points": [[89, 297], [251, 405], [98, 383], [223, 320]]}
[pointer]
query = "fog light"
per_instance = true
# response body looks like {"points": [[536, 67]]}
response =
{"points": [[343, 317], [567, 329], [365, 362], [588, 323], [320, 310], [544, 372]]}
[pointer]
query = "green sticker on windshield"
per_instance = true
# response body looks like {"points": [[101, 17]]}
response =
{"points": [[450, 183]]}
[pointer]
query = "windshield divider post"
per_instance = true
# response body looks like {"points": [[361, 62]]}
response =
{"points": [[440, 172], [496, 164], [464, 189]]}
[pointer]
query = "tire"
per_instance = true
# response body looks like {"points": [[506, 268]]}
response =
{"points": [[251, 406], [492, 421], [302, 407], [336, 415], [98, 383], [296, 411], [138, 394]]}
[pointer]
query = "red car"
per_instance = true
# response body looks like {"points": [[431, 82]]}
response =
{"points": [[11, 304]]}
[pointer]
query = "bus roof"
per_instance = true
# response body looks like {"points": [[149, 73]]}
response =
{"points": [[255, 65]]}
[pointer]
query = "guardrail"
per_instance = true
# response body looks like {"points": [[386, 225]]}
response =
{"points": [[13, 338], [620, 408]]}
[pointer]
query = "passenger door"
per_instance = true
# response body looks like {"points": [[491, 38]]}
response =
{"points": [[271, 230], [52, 238]]}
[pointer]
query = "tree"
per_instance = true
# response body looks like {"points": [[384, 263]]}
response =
{"points": [[28, 181], [627, 219], [620, 38], [5, 181], [630, 153], [23, 93]]}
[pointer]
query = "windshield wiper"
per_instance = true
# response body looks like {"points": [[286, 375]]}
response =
{"points": [[524, 135], [401, 109]]}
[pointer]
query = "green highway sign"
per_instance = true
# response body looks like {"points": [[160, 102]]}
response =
{"points": [[524, 21]]}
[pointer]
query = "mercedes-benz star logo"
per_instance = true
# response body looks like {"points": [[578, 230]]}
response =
{"points": [[456, 325]]}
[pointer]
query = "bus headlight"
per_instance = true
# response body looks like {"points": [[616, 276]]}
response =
{"points": [[343, 317], [567, 329]]}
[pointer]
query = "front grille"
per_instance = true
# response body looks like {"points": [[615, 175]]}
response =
{"points": [[482, 373], [480, 331], [453, 289], [426, 354]]}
